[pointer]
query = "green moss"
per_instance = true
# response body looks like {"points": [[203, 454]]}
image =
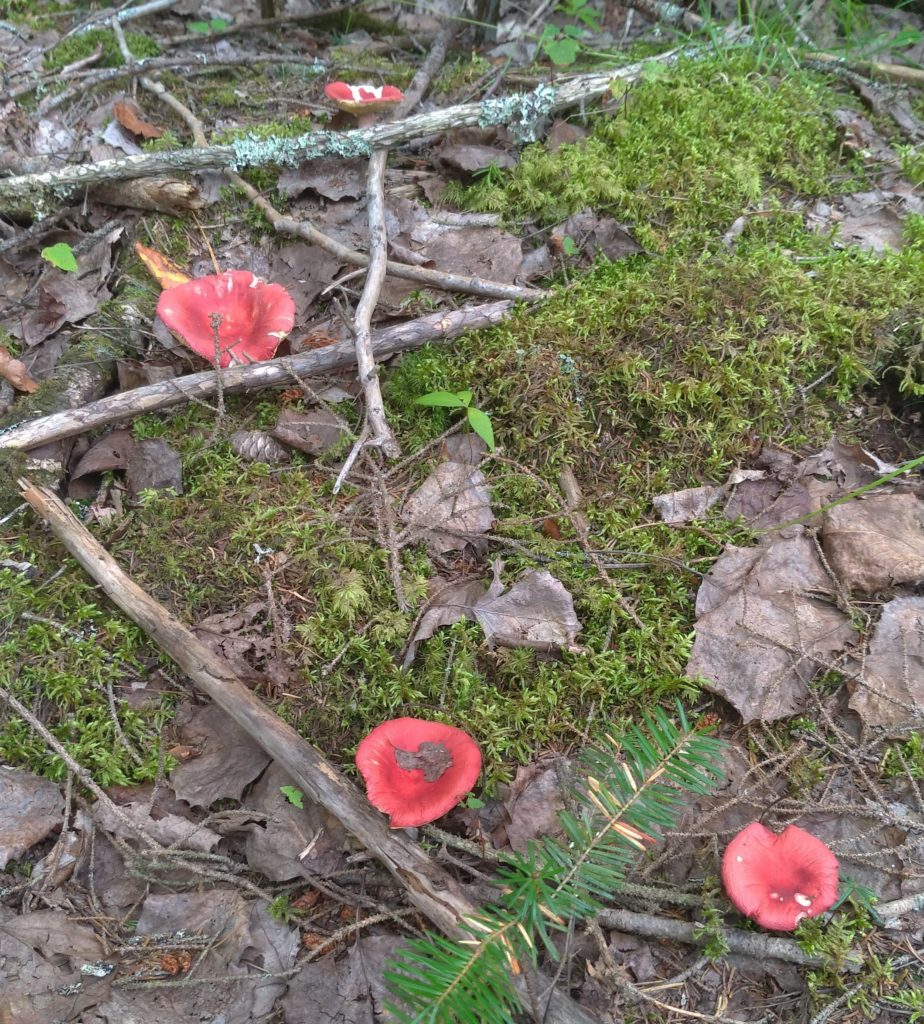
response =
{"points": [[78, 47], [694, 149], [62, 649]]}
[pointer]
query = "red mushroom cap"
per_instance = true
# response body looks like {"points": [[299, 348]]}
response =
{"points": [[254, 316], [362, 99], [415, 770], [779, 879]]}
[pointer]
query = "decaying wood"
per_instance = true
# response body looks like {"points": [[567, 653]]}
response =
{"points": [[274, 373], [435, 893], [31, 188]]}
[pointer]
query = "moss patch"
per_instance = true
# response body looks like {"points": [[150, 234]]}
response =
{"points": [[78, 47]]}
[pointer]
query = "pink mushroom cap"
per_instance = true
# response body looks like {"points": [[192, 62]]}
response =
{"points": [[363, 99], [415, 770], [253, 316], [779, 879]]}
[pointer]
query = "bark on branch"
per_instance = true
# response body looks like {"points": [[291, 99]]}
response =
{"points": [[274, 373], [520, 115]]}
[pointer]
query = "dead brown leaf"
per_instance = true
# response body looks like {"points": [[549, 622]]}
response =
{"points": [[764, 627], [41, 954], [228, 759], [876, 541], [313, 432], [346, 989], [15, 372], [534, 801], [537, 611], [450, 509], [889, 692], [153, 465], [131, 117], [593, 235], [30, 807], [293, 841]]}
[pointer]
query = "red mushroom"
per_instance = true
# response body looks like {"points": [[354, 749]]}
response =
{"points": [[365, 102], [779, 879], [252, 317], [415, 770]]}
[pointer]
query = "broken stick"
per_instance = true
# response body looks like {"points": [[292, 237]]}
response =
{"points": [[435, 893], [273, 373]]}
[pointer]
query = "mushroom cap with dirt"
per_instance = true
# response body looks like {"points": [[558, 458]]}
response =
{"points": [[777, 879], [415, 770], [250, 316]]}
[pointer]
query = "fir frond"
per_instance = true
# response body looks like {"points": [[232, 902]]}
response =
{"points": [[628, 793], [463, 982]]}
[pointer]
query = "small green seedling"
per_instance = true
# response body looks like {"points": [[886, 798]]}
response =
{"points": [[561, 43], [294, 795], [60, 255], [479, 421], [213, 25]]}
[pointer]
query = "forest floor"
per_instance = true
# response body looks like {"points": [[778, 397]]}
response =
{"points": [[667, 453]]}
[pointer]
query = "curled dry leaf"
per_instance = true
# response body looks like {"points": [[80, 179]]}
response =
{"points": [[15, 372], [131, 117], [165, 272]]}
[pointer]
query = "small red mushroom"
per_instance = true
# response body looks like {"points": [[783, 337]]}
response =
{"points": [[779, 879], [416, 770], [365, 102], [251, 316]]}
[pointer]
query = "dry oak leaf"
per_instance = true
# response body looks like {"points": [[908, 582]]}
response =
{"points": [[15, 372]]}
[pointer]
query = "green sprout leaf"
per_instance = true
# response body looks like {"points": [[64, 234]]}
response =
{"points": [[445, 399], [294, 795], [559, 49], [198, 26], [569, 247], [480, 422], [218, 24], [60, 255]]}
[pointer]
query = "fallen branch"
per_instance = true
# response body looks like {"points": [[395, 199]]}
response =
{"points": [[379, 433], [274, 373], [739, 942], [435, 893], [519, 114]]}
